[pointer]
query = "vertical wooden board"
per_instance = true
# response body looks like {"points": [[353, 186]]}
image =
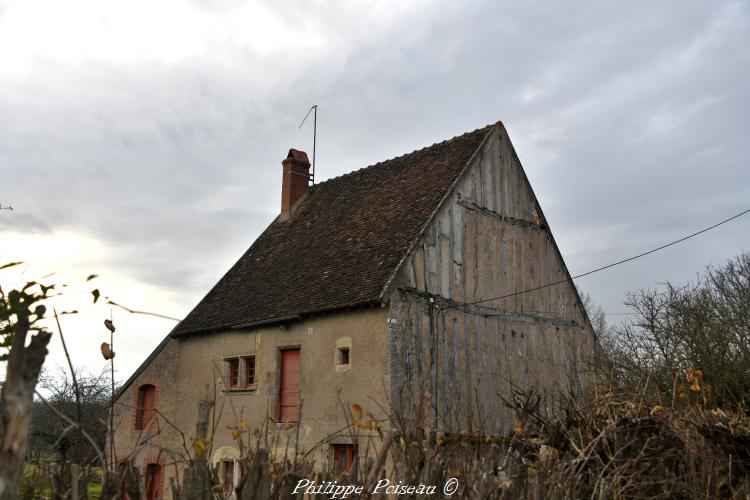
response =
{"points": [[459, 242], [515, 344], [492, 161], [426, 361], [408, 334], [419, 272], [431, 261], [562, 368], [446, 393], [527, 356], [510, 265], [509, 370], [458, 213], [567, 362], [432, 356], [548, 276], [445, 268], [475, 189], [553, 370], [524, 270], [535, 365], [418, 351], [472, 366], [512, 195], [506, 179], [499, 385], [407, 273], [490, 332], [519, 269], [540, 247], [467, 369], [487, 179], [457, 372], [494, 269], [514, 268], [480, 373], [481, 258], [471, 260], [518, 190], [498, 263], [545, 380], [450, 266], [499, 166], [486, 353]]}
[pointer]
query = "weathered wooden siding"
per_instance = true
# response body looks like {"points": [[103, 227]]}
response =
{"points": [[488, 240]]}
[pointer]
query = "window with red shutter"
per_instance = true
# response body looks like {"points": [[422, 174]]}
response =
{"points": [[153, 481], [145, 406], [344, 456]]}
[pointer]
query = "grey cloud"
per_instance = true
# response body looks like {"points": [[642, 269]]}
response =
{"points": [[630, 120]]}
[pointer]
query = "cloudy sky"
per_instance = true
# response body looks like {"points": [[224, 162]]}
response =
{"points": [[142, 140]]}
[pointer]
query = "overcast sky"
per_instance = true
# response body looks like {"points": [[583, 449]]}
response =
{"points": [[142, 140]]}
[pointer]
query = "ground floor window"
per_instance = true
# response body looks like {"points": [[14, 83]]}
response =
{"points": [[344, 456], [227, 472], [153, 481]]}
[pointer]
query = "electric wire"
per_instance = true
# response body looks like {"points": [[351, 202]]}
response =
{"points": [[602, 268]]}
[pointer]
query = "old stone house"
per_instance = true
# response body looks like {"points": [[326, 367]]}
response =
{"points": [[403, 281]]}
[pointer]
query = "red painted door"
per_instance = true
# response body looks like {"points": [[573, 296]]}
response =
{"points": [[289, 386]]}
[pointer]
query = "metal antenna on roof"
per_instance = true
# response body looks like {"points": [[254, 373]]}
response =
{"points": [[315, 133]]}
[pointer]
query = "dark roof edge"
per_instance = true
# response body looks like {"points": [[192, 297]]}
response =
{"points": [[447, 194], [279, 319]]}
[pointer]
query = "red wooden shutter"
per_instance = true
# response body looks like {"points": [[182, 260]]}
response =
{"points": [[145, 406], [289, 385], [148, 404], [153, 481], [344, 455]]}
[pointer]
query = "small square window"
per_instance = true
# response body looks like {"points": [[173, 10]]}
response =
{"points": [[234, 372], [249, 371], [344, 358]]}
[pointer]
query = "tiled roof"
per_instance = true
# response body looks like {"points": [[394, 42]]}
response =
{"points": [[341, 245]]}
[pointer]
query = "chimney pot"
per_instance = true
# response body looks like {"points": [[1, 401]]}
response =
{"points": [[296, 175]]}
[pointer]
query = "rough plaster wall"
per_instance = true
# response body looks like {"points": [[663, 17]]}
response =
{"points": [[182, 369], [488, 240]]}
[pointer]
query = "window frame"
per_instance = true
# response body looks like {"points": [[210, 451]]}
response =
{"points": [[350, 455], [246, 372], [233, 374], [227, 480], [241, 361], [344, 356]]}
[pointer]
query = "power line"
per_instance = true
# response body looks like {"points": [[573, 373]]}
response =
{"points": [[662, 247]]}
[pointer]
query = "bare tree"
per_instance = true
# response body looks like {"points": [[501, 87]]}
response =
{"points": [[50, 434], [703, 325]]}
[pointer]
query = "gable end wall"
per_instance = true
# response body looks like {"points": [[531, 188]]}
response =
{"points": [[488, 239]]}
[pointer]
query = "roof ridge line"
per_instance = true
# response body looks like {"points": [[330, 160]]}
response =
{"points": [[406, 154]]}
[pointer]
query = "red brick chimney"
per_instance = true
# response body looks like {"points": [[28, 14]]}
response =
{"points": [[296, 168]]}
